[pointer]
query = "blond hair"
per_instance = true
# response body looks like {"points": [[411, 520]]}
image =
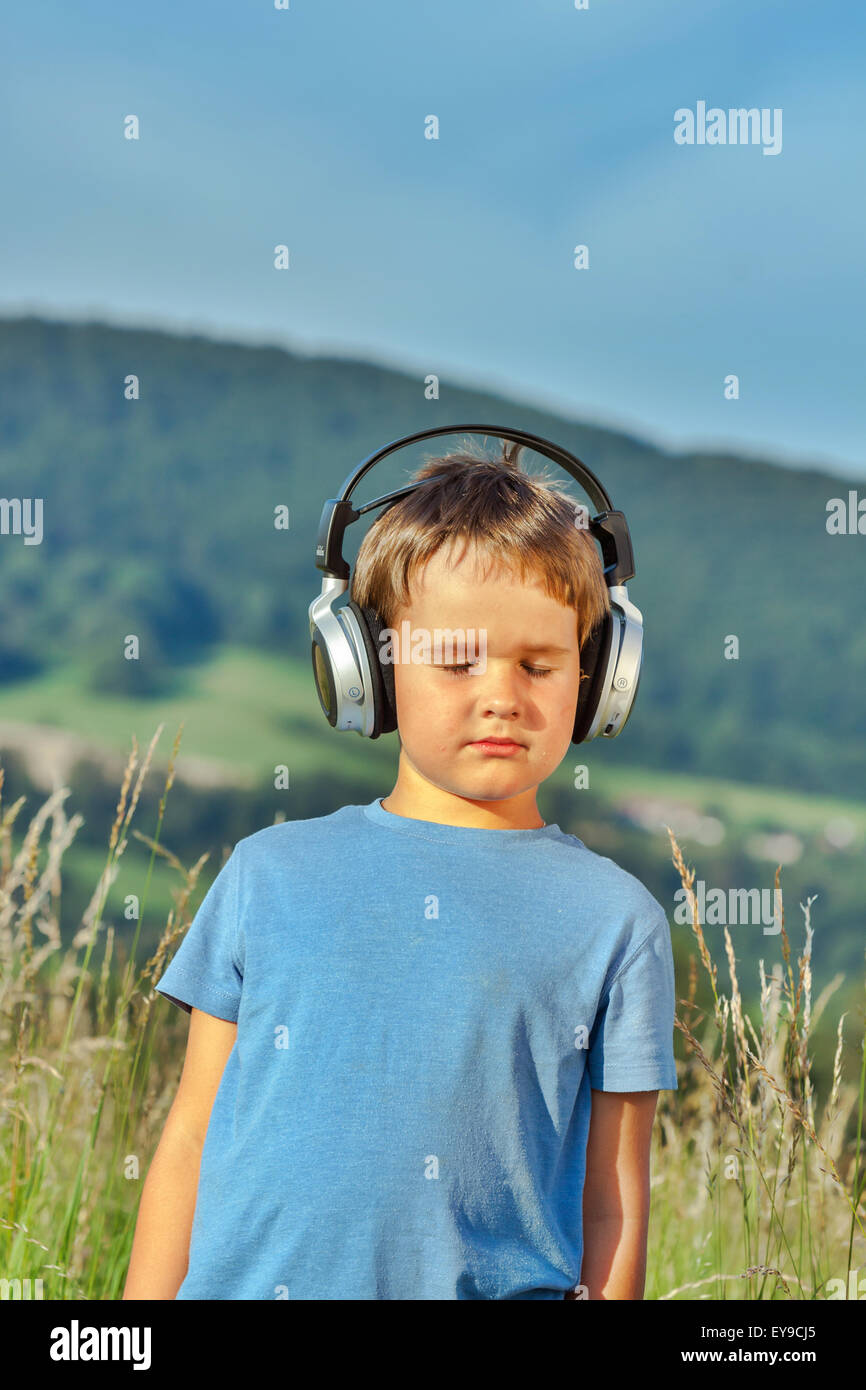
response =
{"points": [[525, 522]]}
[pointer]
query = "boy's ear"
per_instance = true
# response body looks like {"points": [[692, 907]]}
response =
{"points": [[382, 694]]}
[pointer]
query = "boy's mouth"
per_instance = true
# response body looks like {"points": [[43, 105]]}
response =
{"points": [[496, 745]]}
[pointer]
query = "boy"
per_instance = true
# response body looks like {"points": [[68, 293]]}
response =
{"points": [[427, 1034]]}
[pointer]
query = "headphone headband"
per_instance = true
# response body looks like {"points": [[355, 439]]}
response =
{"points": [[609, 527]]}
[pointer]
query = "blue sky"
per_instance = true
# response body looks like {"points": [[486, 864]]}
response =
{"points": [[455, 256]]}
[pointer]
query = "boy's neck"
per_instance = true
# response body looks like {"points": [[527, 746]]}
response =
{"points": [[418, 799]]}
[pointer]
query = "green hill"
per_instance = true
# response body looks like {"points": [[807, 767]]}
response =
{"points": [[158, 520]]}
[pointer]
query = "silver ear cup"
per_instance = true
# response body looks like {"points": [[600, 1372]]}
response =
{"points": [[620, 683], [340, 665]]}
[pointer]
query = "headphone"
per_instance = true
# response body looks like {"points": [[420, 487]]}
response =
{"points": [[356, 688]]}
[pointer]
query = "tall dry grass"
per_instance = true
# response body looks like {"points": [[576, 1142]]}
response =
{"points": [[755, 1195], [86, 1078]]}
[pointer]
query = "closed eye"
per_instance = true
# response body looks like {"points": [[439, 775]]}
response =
{"points": [[536, 672]]}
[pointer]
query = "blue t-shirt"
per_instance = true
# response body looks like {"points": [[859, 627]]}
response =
{"points": [[421, 1012]]}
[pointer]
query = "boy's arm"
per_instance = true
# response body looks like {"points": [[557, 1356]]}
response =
{"points": [[616, 1194], [160, 1250]]}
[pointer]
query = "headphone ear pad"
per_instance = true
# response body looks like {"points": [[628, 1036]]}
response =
{"points": [[382, 673], [594, 656]]}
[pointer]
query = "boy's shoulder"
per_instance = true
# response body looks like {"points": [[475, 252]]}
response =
{"points": [[282, 836], [619, 885]]}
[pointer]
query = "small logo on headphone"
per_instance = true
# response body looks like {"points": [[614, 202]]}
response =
{"points": [[354, 692], [622, 682]]}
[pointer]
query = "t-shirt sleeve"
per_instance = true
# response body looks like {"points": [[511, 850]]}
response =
{"points": [[206, 971], [631, 1042]]}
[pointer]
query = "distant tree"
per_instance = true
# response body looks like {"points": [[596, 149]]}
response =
{"points": [[17, 663], [110, 671]]}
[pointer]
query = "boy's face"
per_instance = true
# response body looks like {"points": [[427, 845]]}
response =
{"points": [[442, 715]]}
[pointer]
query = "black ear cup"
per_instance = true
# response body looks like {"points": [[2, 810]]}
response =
{"points": [[382, 694], [594, 656]]}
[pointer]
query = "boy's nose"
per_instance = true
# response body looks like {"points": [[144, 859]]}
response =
{"points": [[500, 697], [502, 708]]}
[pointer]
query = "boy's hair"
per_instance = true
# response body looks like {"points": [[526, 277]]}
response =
{"points": [[525, 523]]}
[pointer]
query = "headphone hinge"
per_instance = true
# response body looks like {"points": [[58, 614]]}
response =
{"points": [[611, 531], [336, 516]]}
